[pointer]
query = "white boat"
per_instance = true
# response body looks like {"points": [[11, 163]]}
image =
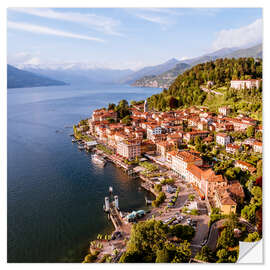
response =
{"points": [[98, 159]]}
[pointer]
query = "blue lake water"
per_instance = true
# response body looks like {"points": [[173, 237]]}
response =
{"points": [[55, 193]]}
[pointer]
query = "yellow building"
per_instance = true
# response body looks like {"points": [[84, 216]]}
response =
{"points": [[225, 202]]}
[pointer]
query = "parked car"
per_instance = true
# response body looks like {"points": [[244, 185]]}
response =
{"points": [[204, 242], [180, 218]]}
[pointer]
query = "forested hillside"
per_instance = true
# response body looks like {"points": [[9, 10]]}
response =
{"points": [[185, 90]]}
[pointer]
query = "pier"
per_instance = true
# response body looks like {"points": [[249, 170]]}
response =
{"points": [[115, 218], [112, 208]]}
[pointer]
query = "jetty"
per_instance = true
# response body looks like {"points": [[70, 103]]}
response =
{"points": [[114, 214]]}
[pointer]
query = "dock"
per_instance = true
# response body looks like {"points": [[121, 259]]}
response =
{"points": [[127, 168], [115, 218]]}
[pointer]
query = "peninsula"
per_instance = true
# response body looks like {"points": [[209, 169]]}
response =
{"points": [[199, 152]]}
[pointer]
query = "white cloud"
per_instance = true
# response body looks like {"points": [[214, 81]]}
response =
{"points": [[48, 31], [153, 19], [246, 35], [99, 23]]}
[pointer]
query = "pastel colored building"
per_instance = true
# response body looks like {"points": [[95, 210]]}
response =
{"points": [[223, 139], [242, 84], [129, 149]]}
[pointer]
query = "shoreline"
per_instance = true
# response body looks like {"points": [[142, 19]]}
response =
{"points": [[108, 246]]}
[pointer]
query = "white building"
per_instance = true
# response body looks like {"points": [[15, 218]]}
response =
{"points": [[153, 130], [241, 84], [224, 110], [223, 139], [181, 159]]}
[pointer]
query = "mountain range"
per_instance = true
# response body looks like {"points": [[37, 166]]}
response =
{"points": [[17, 78], [161, 75], [164, 80]]}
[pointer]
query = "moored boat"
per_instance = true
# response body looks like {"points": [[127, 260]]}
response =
{"points": [[98, 159]]}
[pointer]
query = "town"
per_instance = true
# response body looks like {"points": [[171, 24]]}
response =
{"points": [[206, 159]]}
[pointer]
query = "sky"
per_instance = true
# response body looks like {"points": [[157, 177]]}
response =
{"points": [[125, 38]]}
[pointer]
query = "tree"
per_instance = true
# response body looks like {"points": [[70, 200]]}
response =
{"points": [[111, 106], [158, 187], [126, 120], [162, 256], [173, 103], [226, 238], [259, 167], [253, 237], [191, 141], [257, 195], [248, 213], [146, 238], [110, 120], [206, 255], [250, 131], [225, 256], [130, 257], [182, 231], [183, 253], [90, 258], [258, 135]]}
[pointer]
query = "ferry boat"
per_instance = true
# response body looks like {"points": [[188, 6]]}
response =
{"points": [[98, 159]]}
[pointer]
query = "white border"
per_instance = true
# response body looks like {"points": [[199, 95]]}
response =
{"points": [[123, 3]]}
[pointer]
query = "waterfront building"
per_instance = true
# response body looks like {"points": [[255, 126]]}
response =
{"points": [[163, 147], [129, 149], [103, 114], [179, 161]]}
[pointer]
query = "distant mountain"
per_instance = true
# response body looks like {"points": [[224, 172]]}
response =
{"points": [[75, 74], [17, 78], [150, 71], [255, 51], [165, 79]]}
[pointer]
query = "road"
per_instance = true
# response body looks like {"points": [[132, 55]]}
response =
{"points": [[210, 91], [213, 235]]}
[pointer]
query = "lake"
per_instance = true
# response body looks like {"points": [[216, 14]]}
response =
{"points": [[55, 193]]}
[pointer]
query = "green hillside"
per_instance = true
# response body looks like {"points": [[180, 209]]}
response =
{"points": [[185, 90]]}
